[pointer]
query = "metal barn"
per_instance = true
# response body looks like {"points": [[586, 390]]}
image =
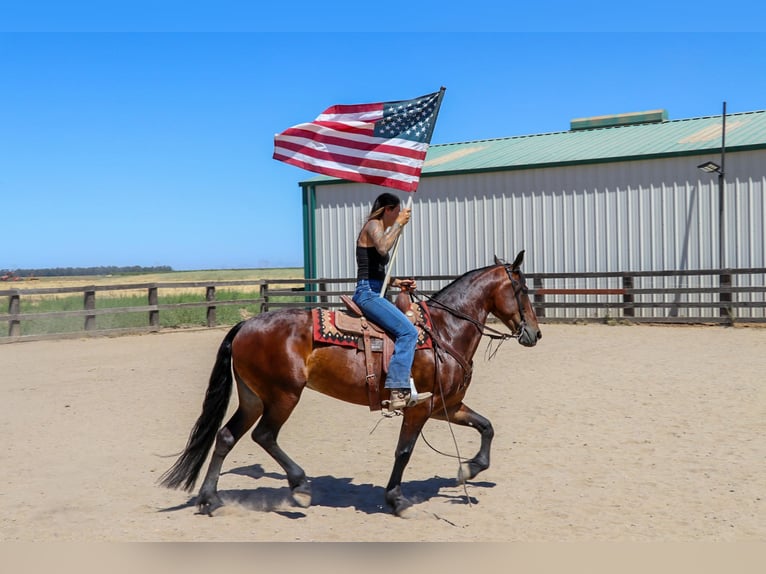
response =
{"points": [[614, 193]]}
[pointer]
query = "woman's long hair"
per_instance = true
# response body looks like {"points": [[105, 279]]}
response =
{"points": [[383, 201]]}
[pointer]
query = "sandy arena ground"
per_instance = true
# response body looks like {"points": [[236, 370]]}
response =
{"points": [[602, 433]]}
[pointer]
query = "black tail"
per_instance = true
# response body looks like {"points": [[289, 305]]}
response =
{"points": [[186, 469]]}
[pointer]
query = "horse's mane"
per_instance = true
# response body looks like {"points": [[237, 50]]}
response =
{"points": [[446, 292]]}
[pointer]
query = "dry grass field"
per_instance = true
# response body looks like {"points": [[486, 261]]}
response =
{"points": [[170, 277], [47, 307]]}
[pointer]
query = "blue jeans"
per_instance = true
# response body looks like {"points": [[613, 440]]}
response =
{"points": [[385, 314]]}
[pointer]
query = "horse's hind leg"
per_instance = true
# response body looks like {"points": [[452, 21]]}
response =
{"points": [[265, 434], [250, 408], [466, 417]]}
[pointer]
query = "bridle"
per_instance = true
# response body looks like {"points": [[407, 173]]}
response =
{"points": [[519, 287]]}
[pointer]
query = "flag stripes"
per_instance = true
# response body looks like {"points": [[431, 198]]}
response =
{"points": [[342, 142]]}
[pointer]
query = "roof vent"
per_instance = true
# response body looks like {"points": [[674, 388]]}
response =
{"points": [[630, 119]]}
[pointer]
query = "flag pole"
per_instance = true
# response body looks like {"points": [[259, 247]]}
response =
{"points": [[409, 200], [393, 255]]}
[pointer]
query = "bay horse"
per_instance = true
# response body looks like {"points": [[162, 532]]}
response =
{"points": [[273, 357]]}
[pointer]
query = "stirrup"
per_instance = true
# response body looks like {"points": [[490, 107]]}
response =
{"points": [[404, 398]]}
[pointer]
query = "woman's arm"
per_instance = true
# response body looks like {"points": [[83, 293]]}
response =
{"points": [[383, 239]]}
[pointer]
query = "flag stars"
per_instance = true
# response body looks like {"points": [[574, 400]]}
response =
{"points": [[410, 120]]}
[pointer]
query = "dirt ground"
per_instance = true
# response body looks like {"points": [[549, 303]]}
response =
{"points": [[602, 434]]}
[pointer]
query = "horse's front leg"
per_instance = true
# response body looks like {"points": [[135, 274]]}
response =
{"points": [[414, 419], [465, 416]]}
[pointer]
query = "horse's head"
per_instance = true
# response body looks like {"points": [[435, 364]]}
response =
{"points": [[511, 302]]}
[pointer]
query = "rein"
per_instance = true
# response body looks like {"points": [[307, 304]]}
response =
{"points": [[485, 330]]}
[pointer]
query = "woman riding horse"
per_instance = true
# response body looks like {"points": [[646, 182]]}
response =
{"points": [[379, 234], [273, 357]]}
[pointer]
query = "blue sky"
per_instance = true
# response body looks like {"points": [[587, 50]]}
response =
{"points": [[143, 135]]}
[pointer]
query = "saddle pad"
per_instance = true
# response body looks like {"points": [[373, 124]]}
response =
{"points": [[326, 330]]}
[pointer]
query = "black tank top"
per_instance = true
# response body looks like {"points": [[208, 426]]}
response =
{"points": [[370, 264]]}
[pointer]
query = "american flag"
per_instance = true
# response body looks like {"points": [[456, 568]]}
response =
{"points": [[383, 143]]}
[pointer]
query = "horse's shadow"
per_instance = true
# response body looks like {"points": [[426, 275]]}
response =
{"points": [[334, 492]]}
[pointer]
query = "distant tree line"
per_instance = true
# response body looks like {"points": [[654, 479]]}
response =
{"points": [[102, 270]]}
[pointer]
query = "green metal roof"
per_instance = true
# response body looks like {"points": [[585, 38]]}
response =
{"points": [[692, 136]]}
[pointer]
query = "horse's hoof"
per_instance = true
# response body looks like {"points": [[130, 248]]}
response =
{"points": [[302, 495], [464, 473], [405, 510], [398, 503], [209, 504]]}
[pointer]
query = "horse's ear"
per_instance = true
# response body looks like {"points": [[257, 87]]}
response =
{"points": [[519, 260], [499, 261]]}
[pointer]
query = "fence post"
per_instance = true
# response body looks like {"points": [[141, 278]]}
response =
{"points": [[153, 299], [263, 293], [210, 297], [725, 298], [627, 298], [537, 283], [89, 303], [14, 308]]}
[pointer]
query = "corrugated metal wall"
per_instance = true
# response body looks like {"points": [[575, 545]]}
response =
{"points": [[659, 214]]}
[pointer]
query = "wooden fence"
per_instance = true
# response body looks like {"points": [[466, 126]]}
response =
{"points": [[707, 296], [703, 296]]}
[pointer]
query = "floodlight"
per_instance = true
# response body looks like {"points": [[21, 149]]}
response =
{"points": [[710, 167]]}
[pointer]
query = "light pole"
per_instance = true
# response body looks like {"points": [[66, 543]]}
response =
{"points": [[710, 167]]}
